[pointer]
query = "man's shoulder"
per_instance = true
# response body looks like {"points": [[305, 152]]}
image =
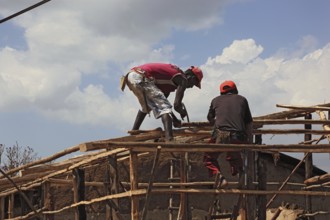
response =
{"points": [[240, 96], [216, 98]]}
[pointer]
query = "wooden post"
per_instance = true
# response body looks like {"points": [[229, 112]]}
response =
{"points": [[308, 163], [112, 208], [47, 200], [150, 183], [79, 193], [182, 214], [134, 185], [250, 205], [107, 185], [2, 208], [262, 182], [11, 206]]}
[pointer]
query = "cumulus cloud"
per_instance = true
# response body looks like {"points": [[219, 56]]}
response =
{"points": [[265, 82], [68, 41], [240, 51]]}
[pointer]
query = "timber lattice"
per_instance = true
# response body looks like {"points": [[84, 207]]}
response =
{"points": [[45, 174]]}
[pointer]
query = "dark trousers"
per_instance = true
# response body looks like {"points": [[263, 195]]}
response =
{"points": [[234, 158]]}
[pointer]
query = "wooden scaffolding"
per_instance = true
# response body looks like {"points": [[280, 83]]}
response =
{"points": [[27, 192]]}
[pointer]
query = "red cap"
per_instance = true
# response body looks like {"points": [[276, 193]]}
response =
{"points": [[227, 86], [198, 73]]}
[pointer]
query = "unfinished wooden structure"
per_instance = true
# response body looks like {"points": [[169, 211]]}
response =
{"points": [[131, 182]]}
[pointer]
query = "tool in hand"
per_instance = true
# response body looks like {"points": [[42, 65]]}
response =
{"points": [[186, 113]]}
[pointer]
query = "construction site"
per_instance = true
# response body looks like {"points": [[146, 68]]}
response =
{"points": [[139, 176]]}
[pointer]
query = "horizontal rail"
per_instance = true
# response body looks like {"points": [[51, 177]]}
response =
{"points": [[141, 192], [207, 147], [263, 122]]}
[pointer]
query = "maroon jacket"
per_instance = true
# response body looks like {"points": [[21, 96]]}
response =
{"points": [[162, 73]]}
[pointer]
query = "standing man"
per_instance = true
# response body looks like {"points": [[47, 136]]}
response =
{"points": [[230, 114], [152, 83]]}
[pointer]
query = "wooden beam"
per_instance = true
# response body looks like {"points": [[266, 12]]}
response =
{"points": [[113, 208], [5, 184], [295, 113], [2, 208], [26, 199], [42, 161], [90, 146], [250, 199], [262, 185], [48, 202], [141, 192], [308, 163], [256, 120], [207, 147], [325, 126], [290, 131], [286, 180], [11, 206], [150, 183], [182, 213], [203, 184], [79, 193], [308, 108], [289, 121], [39, 181], [134, 185], [68, 182]]}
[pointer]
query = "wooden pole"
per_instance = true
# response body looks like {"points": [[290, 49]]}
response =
{"points": [[79, 193], [107, 185], [250, 206], [151, 181], [308, 109], [112, 208], [2, 208], [182, 213], [11, 206], [327, 127], [308, 163], [28, 202], [206, 147], [286, 180], [262, 182], [47, 200], [42, 161], [134, 185], [242, 200], [323, 118]]}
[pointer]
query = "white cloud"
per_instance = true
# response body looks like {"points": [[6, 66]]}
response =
{"points": [[69, 39], [265, 82], [243, 51]]}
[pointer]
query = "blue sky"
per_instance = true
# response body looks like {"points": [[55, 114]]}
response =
{"points": [[60, 63]]}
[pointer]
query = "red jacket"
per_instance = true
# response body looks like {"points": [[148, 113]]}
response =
{"points": [[162, 73]]}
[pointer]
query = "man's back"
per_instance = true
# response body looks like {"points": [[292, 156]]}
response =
{"points": [[162, 74], [231, 112]]}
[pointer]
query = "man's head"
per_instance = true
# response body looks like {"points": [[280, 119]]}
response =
{"points": [[194, 76], [228, 87]]}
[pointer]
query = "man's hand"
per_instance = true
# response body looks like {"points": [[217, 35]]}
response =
{"points": [[181, 110], [176, 122]]}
